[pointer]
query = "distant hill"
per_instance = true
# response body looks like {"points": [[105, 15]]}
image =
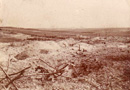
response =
{"points": [[70, 32], [67, 29]]}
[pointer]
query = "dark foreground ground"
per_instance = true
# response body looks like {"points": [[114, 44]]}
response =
{"points": [[91, 59]]}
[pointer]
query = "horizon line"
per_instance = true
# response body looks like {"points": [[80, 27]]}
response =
{"points": [[62, 28]]}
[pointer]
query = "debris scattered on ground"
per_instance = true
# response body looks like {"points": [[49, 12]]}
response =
{"points": [[88, 63]]}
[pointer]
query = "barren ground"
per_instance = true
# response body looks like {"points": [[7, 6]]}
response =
{"points": [[64, 60]]}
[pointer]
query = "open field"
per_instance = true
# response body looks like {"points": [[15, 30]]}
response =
{"points": [[86, 59]]}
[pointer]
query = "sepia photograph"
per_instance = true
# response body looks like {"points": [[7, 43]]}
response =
{"points": [[64, 44]]}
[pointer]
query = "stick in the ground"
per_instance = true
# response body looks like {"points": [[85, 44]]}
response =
{"points": [[17, 77], [15, 73], [19, 71], [47, 64], [8, 77]]}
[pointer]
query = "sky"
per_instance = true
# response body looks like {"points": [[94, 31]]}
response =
{"points": [[65, 13]]}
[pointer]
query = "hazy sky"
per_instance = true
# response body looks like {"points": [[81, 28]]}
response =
{"points": [[65, 13]]}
